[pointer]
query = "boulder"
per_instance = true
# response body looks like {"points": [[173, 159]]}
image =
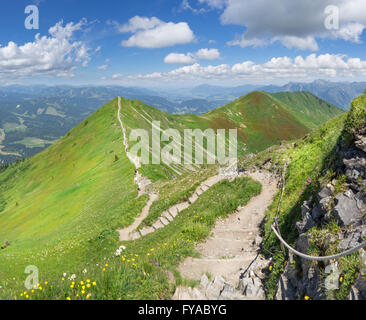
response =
{"points": [[347, 210]]}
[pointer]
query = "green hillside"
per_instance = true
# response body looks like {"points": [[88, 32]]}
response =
{"points": [[312, 110], [61, 208], [313, 163]]}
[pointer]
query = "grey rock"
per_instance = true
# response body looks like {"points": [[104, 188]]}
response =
{"points": [[358, 290], [317, 212], [305, 208], [326, 205], [254, 289], [360, 142], [325, 192], [204, 281], [214, 289], [303, 246], [312, 283], [346, 210], [306, 223], [351, 241], [289, 284], [355, 168], [229, 293], [352, 238]]}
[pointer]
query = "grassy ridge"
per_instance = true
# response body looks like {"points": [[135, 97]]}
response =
{"points": [[303, 106], [63, 197]]}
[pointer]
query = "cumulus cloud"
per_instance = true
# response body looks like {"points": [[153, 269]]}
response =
{"points": [[179, 58], [295, 23], [57, 54], [310, 67], [208, 54], [152, 33], [191, 58]]}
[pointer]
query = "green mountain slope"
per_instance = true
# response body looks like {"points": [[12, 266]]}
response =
{"points": [[60, 209], [312, 110], [313, 163]]}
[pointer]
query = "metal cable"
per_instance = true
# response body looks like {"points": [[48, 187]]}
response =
{"points": [[307, 257]]}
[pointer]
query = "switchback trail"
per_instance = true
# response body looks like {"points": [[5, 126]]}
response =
{"points": [[132, 232]]}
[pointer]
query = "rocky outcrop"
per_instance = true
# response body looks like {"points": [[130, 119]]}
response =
{"points": [[347, 208]]}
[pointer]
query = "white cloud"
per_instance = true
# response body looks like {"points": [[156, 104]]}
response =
{"points": [[139, 23], [56, 55], [295, 23], [311, 67], [191, 58], [103, 67], [243, 42], [153, 33], [208, 54], [185, 5], [307, 43], [179, 58], [218, 4]]}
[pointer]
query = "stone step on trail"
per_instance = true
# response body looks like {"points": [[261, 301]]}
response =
{"points": [[173, 211], [146, 231], [182, 206], [164, 221], [215, 267], [221, 247], [158, 225], [193, 198], [167, 216], [236, 234]]}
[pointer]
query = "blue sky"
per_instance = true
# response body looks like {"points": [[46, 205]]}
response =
{"points": [[160, 43]]}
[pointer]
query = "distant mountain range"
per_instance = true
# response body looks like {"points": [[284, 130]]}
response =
{"points": [[33, 117], [339, 94]]}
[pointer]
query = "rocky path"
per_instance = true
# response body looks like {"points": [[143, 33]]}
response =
{"points": [[141, 181], [232, 248]]}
